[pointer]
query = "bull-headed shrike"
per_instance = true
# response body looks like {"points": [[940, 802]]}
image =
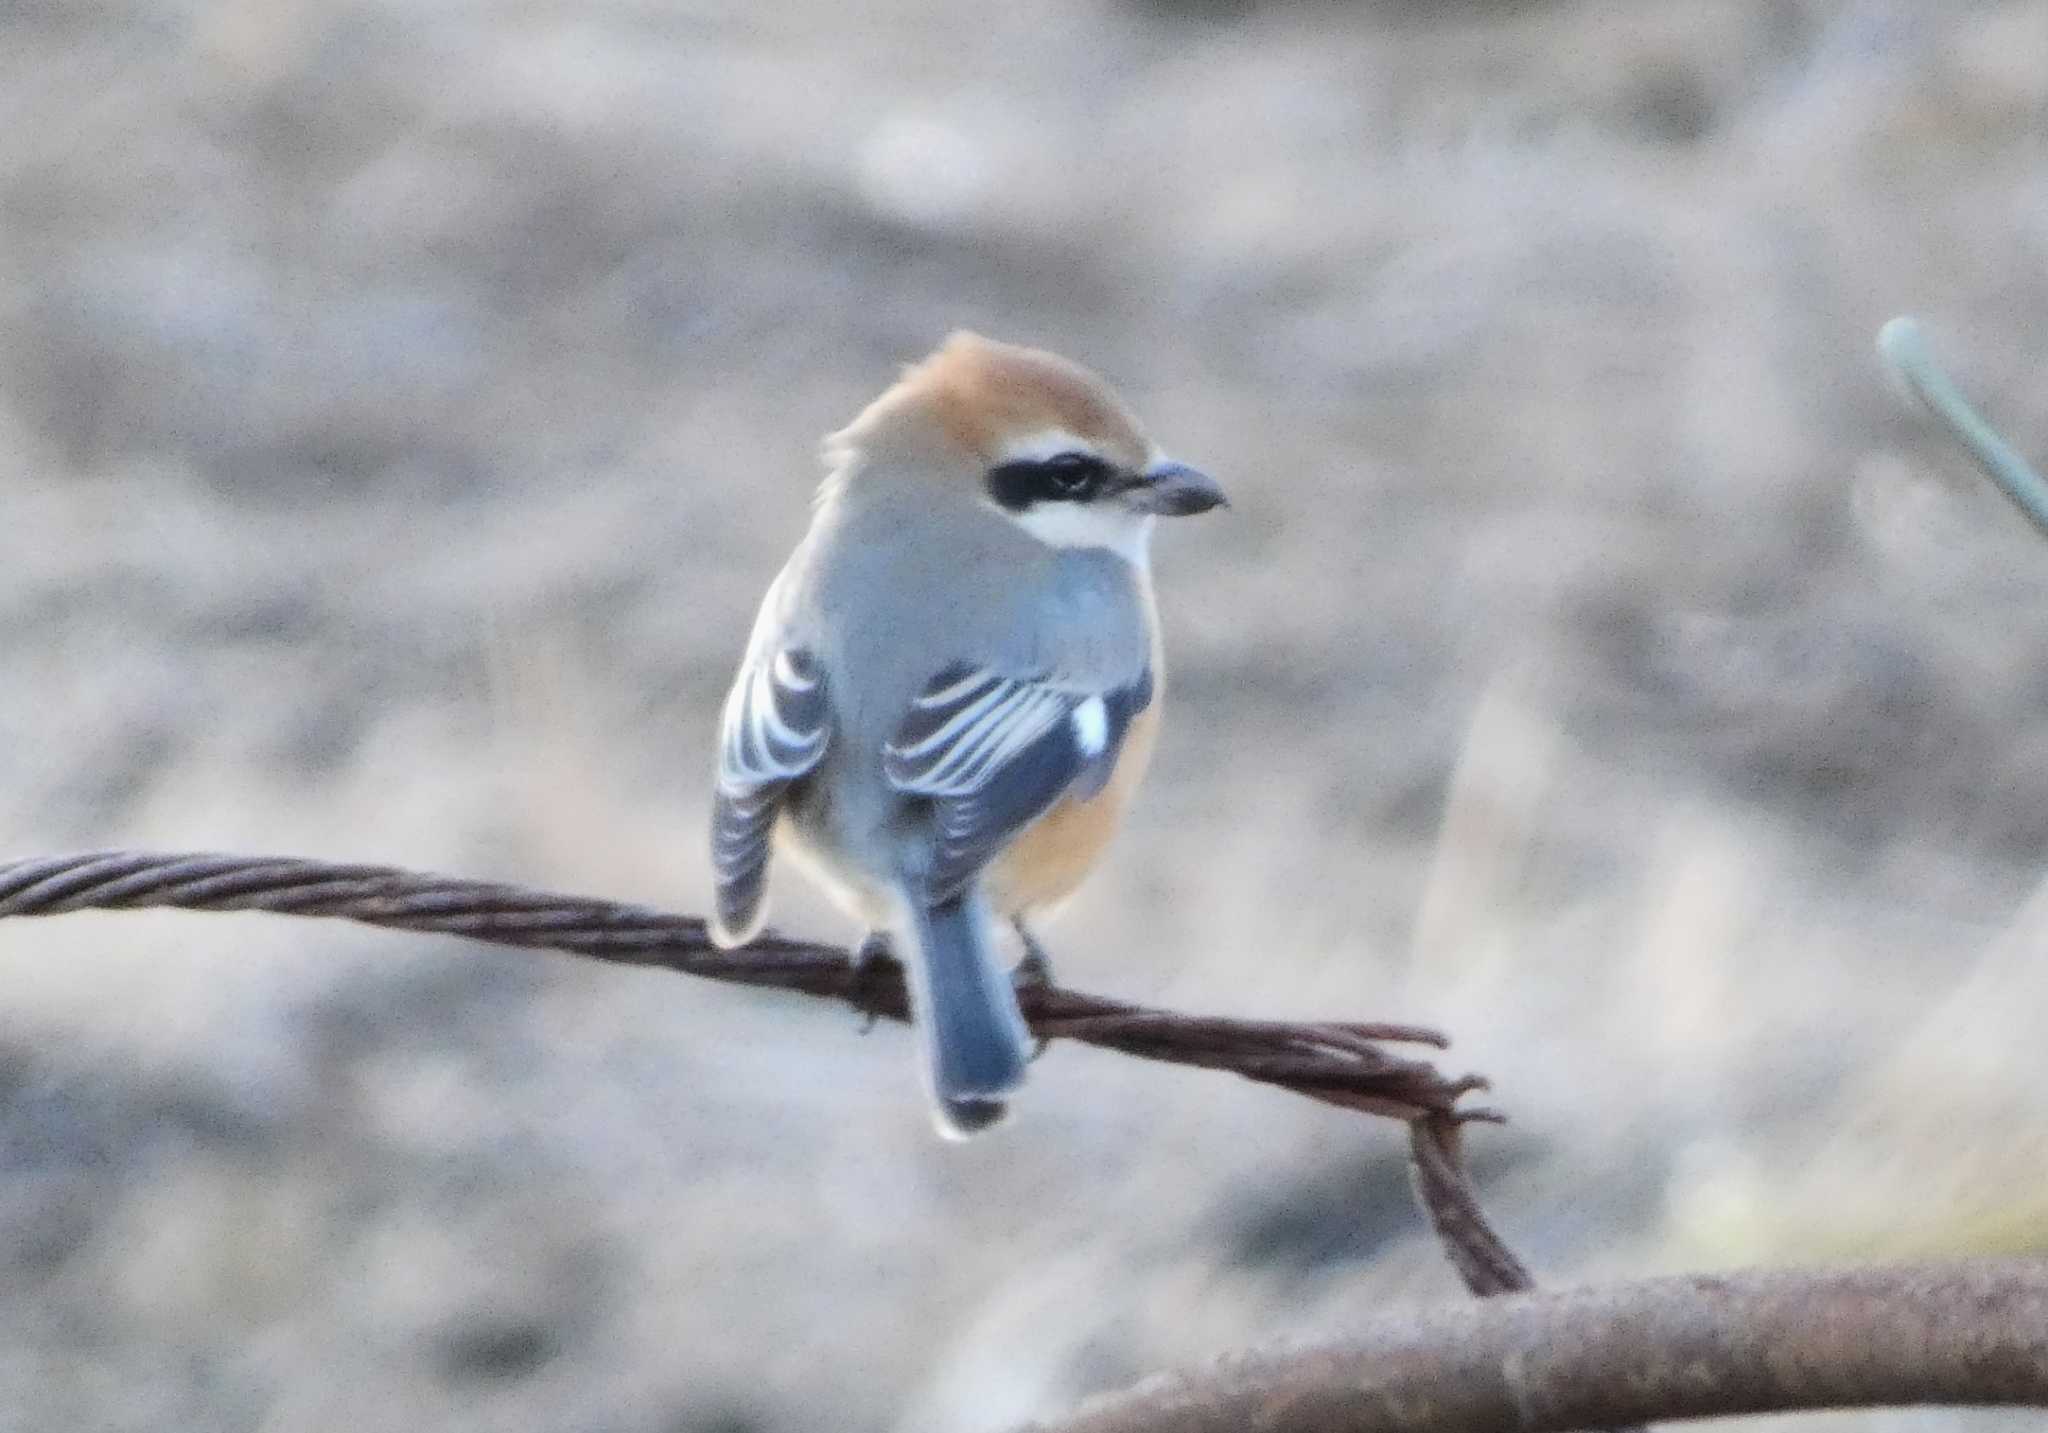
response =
{"points": [[953, 687]]}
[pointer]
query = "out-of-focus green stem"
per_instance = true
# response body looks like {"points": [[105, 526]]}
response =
{"points": [[1903, 348]]}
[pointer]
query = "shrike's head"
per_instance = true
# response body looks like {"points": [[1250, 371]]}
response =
{"points": [[1030, 435]]}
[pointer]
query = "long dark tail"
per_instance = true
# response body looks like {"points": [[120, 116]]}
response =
{"points": [[976, 1045]]}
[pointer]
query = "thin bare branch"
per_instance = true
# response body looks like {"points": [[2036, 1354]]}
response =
{"points": [[1697, 1347]]}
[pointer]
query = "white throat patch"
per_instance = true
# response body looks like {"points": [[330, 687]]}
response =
{"points": [[1102, 524], [1108, 525]]}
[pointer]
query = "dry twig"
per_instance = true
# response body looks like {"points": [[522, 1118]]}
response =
{"points": [[1695, 1347]]}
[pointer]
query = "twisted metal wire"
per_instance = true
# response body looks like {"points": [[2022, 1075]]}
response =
{"points": [[1336, 1062]]}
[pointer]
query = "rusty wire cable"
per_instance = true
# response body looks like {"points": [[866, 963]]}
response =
{"points": [[1338, 1063]]}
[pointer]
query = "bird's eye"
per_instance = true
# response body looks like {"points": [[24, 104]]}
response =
{"points": [[1073, 475], [1063, 478]]}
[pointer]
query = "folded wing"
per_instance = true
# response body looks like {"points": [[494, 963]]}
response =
{"points": [[993, 753], [778, 721]]}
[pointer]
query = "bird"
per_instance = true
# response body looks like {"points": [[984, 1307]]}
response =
{"points": [[953, 687]]}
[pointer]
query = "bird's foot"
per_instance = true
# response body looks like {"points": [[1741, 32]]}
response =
{"points": [[1033, 972], [874, 967]]}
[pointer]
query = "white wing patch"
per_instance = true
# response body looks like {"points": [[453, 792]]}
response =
{"points": [[1091, 726]]}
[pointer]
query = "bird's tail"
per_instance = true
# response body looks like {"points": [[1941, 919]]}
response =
{"points": [[975, 1042]]}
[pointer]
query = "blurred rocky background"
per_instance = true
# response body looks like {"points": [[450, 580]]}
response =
{"points": [[403, 405]]}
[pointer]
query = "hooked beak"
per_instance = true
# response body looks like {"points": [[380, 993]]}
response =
{"points": [[1170, 489]]}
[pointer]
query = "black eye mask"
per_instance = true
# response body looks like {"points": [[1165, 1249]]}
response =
{"points": [[1065, 478]]}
